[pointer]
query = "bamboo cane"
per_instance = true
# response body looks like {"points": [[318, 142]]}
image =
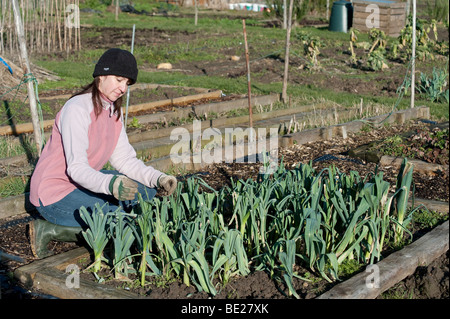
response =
{"points": [[29, 21], [2, 20], [69, 37], [45, 17], [42, 26], [58, 22], [63, 13], [413, 56], [196, 13], [11, 43], [79, 27], [286, 59], [247, 59], [49, 26], [10, 29], [117, 10]]}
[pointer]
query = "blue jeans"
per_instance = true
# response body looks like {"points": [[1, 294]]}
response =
{"points": [[66, 212]]}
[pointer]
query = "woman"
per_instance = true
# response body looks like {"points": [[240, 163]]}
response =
{"points": [[89, 132]]}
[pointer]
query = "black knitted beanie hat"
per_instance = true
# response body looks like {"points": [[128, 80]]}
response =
{"points": [[117, 62]]}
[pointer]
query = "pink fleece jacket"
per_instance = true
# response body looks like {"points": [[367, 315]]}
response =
{"points": [[79, 147]]}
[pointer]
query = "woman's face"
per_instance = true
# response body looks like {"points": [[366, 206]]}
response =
{"points": [[112, 86]]}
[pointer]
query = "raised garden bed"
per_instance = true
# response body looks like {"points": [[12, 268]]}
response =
{"points": [[52, 275], [19, 204]]}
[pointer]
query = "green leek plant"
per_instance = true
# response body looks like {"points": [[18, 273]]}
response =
{"points": [[200, 265], [377, 196], [184, 261], [144, 236], [229, 251], [164, 240], [192, 243], [242, 204], [190, 196], [122, 233], [287, 258], [404, 182], [320, 220], [96, 235]]}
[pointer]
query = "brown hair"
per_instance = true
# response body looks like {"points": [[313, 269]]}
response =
{"points": [[96, 99]]}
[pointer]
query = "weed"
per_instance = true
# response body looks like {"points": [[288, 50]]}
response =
{"points": [[134, 123], [428, 219], [349, 268]]}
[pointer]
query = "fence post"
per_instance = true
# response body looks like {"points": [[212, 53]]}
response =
{"points": [[30, 84]]}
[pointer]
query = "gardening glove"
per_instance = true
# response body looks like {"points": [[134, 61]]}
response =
{"points": [[123, 188], [168, 183]]}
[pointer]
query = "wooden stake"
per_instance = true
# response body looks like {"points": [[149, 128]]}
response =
{"points": [[42, 25], [69, 36], [79, 27], [413, 55], [128, 89], [11, 44], [31, 95], [2, 22], [53, 28], [327, 15], [196, 13], [58, 22], [247, 59], [286, 58], [63, 13], [117, 10]]}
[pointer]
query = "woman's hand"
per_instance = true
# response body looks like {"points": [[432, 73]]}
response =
{"points": [[123, 188], [168, 183]]}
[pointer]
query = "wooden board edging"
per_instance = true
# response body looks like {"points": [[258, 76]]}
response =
{"points": [[383, 275], [49, 275]]}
